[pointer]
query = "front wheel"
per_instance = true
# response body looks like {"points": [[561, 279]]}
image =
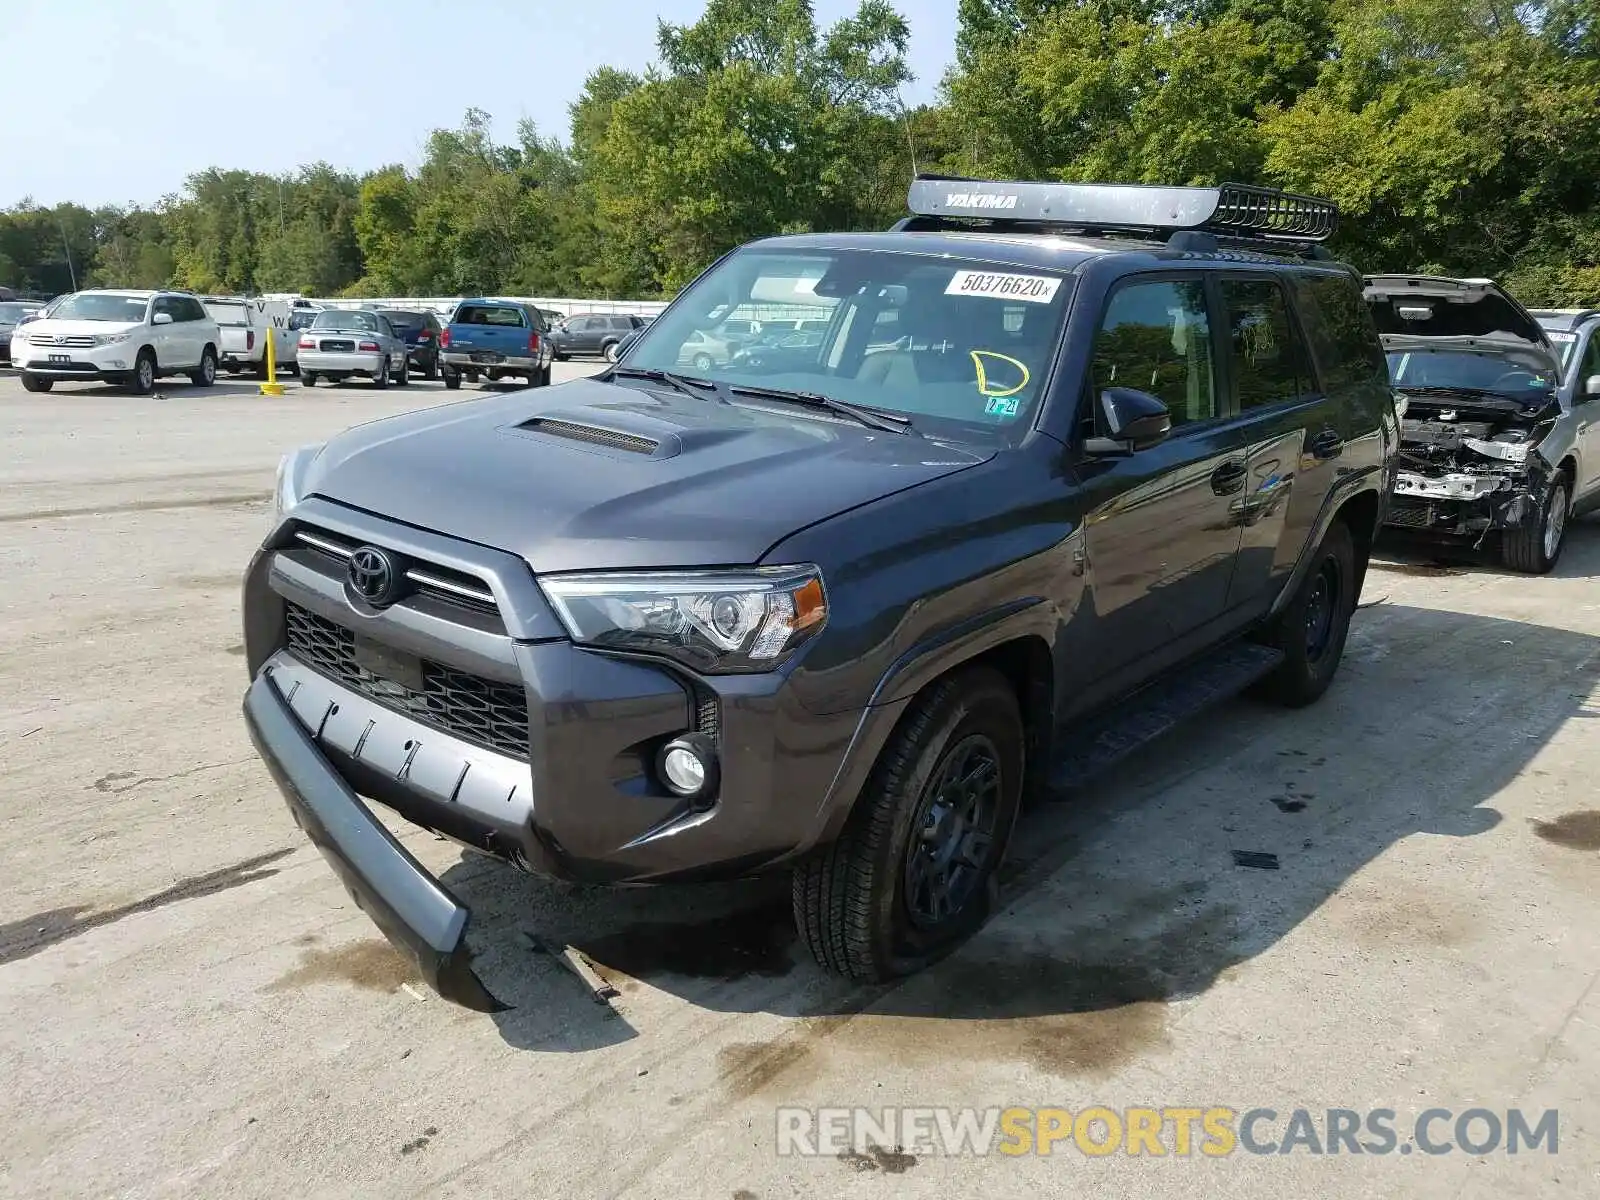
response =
{"points": [[34, 383], [144, 373], [1534, 549], [206, 373], [914, 873], [1311, 630]]}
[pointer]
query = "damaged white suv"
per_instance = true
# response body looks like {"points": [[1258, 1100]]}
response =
{"points": [[1490, 442]]}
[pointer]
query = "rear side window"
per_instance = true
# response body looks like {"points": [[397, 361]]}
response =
{"points": [[489, 314], [229, 314], [1343, 336], [1269, 360], [1156, 338]]}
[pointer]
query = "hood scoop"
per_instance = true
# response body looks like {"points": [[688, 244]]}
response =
{"points": [[594, 435]]}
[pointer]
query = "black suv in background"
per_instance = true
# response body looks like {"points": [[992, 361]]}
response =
{"points": [[1068, 463], [419, 329], [593, 333]]}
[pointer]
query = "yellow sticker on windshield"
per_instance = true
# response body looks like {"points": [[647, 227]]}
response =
{"points": [[995, 389]]}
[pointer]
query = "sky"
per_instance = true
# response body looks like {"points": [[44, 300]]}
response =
{"points": [[117, 101]]}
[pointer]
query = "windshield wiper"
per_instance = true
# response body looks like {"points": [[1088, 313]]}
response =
{"points": [[689, 387], [872, 418]]}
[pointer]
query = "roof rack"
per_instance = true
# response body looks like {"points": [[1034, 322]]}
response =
{"points": [[1239, 212]]}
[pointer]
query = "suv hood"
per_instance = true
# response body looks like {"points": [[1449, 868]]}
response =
{"points": [[598, 476], [1415, 312]]}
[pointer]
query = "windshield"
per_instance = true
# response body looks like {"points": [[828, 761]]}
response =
{"points": [[959, 346], [1563, 342], [227, 314], [363, 322], [1472, 372], [11, 313], [87, 307]]}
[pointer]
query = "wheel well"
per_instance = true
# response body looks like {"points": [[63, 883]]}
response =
{"points": [[1569, 466], [1360, 517], [1027, 665]]}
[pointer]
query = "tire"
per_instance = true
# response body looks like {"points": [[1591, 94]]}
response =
{"points": [[380, 377], [33, 383], [609, 351], [702, 361], [143, 380], [206, 374], [261, 371], [544, 376], [559, 357], [405, 373], [308, 379], [431, 373], [452, 379], [1312, 629], [1535, 549], [856, 902]]}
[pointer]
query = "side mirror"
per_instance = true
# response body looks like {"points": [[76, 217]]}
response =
{"points": [[161, 319], [1591, 388], [1136, 420]]}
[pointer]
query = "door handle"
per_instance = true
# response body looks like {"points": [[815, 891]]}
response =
{"points": [[1228, 478], [1327, 444]]}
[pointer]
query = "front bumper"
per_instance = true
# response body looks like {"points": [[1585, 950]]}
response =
{"points": [[335, 362], [106, 364], [577, 799], [414, 911]]}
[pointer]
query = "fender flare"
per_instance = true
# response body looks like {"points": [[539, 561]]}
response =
{"points": [[1352, 485], [931, 657]]}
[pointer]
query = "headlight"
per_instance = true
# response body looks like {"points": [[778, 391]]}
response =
{"points": [[1400, 406], [286, 490], [110, 339], [716, 622]]}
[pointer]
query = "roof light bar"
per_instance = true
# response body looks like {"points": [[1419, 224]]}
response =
{"points": [[1233, 209]]}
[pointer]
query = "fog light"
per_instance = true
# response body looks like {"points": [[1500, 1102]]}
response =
{"points": [[688, 765]]}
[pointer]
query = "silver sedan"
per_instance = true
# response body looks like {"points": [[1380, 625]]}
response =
{"points": [[345, 342]]}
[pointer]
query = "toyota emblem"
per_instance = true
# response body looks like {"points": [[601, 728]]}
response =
{"points": [[60, 339], [372, 575]]}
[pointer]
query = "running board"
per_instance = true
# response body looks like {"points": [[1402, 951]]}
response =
{"points": [[1156, 709]]}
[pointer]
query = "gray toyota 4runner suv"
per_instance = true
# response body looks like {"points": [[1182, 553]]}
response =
{"points": [[1069, 463]]}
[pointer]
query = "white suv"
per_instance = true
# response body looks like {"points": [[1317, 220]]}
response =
{"points": [[122, 337]]}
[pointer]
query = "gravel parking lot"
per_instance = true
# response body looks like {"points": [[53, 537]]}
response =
{"points": [[1389, 900]]}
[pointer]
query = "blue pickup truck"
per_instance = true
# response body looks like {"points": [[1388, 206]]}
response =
{"points": [[494, 339]]}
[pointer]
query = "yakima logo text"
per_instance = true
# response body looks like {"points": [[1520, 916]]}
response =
{"points": [[978, 200]]}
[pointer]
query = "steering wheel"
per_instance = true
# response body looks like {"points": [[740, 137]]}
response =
{"points": [[1510, 379]]}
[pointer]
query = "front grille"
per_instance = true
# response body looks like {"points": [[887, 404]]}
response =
{"points": [[455, 587], [491, 714], [77, 341]]}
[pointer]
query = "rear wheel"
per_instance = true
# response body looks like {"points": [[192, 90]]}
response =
{"points": [[609, 351], [308, 379], [452, 379], [1535, 549], [261, 370], [544, 376], [1311, 631], [206, 373], [34, 383], [431, 372], [404, 377], [380, 377], [914, 873]]}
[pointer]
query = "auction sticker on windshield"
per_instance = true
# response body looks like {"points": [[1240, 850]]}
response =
{"points": [[1036, 289]]}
